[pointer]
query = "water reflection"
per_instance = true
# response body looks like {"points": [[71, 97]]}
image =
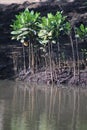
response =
{"points": [[35, 108]]}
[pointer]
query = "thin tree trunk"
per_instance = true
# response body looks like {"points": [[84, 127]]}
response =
{"points": [[24, 58], [73, 54], [77, 50], [32, 51], [45, 66], [58, 53], [29, 54], [36, 65], [51, 69]]}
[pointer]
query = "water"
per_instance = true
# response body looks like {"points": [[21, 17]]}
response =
{"points": [[42, 108]]}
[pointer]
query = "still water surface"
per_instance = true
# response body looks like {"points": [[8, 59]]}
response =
{"points": [[42, 108]]}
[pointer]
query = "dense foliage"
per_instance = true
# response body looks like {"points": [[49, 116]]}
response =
{"points": [[42, 33]]}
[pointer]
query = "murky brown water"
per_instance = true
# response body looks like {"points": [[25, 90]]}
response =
{"points": [[35, 108]]}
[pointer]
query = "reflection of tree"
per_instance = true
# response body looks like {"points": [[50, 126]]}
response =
{"points": [[83, 110], [74, 111], [1, 114], [26, 106], [54, 100], [45, 124], [55, 108], [75, 115], [18, 124], [51, 100], [59, 105]]}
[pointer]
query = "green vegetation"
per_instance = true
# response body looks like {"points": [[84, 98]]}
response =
{"points": [[25, 29], [42, 35]]}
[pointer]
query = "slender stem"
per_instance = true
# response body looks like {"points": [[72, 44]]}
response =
{"points": [[58, 53], [51, 70], [73, 54], [77, 50], [32, 50], [29, 55], [36, 65], [45, 65], [24, 58]]}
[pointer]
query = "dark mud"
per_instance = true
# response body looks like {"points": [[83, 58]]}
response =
{"points": [[57, 77]]}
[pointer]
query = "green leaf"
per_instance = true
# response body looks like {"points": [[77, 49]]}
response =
{"points": [[23, 33], [16, 32], [82, 28], [23, 29]]}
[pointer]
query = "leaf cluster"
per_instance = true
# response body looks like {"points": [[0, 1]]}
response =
{"points": [[25, 25], [30, 25], [81, 31], [52, 26]]}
